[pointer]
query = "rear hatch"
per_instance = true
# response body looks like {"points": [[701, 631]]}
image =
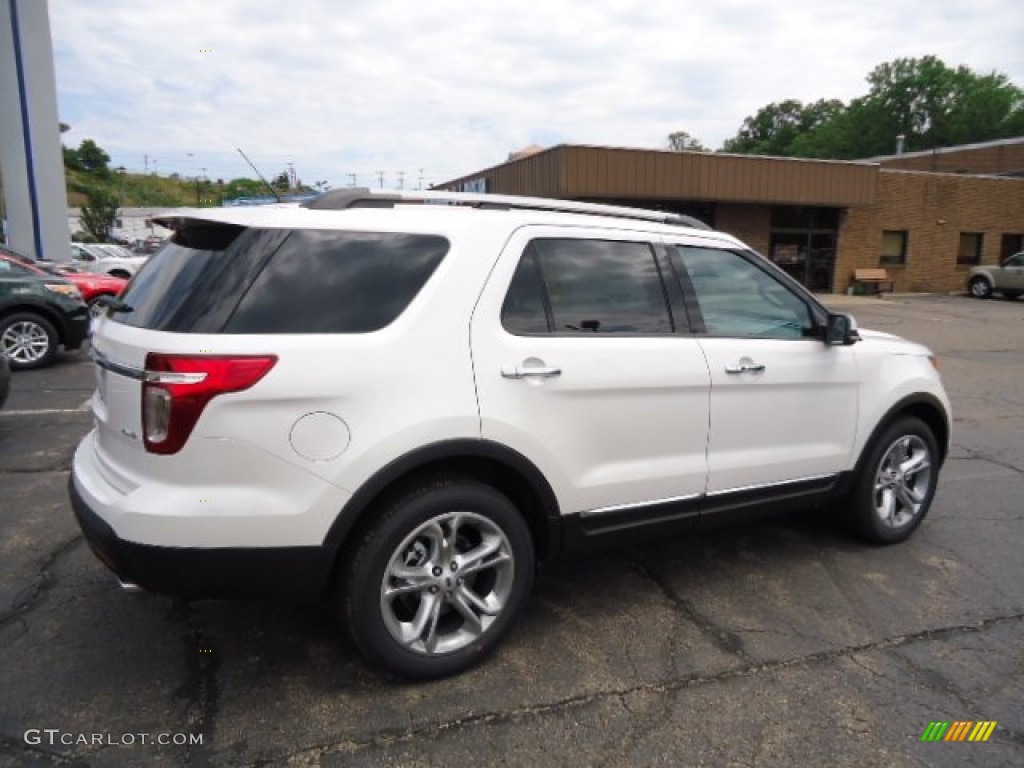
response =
{"points": [[213, 312]]}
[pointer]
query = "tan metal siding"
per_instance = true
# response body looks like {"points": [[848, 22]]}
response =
{"points": [[596, 172]]}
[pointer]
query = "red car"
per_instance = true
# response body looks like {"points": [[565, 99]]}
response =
{"points": [[92, 286]]}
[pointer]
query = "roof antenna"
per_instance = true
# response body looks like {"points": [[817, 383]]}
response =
{"points": [[272, 190]]}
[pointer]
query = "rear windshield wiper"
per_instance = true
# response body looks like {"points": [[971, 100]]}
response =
{"points": [[114, 304]]}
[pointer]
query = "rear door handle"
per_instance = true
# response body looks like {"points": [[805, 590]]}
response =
{"points": [[746, 365], [524, 372]]}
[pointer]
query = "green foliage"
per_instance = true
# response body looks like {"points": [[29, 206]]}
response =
{"points": [[88, 158], [784, 128], [88, 174], [99, 213], [929, 103], [681, 141]]}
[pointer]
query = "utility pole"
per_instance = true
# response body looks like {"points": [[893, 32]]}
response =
{"points": [[380, 179], [401, 179], [145, 164], [352, 176], [419, 183]]}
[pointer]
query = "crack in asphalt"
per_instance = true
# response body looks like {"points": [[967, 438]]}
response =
{"points": [[722, 638], [11, 746], [434, 730], [973, 455], [28, 599], [938, 682], [200, 687]]}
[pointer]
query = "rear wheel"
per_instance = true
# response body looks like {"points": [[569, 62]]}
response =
{"points": [[438, 579], [29, 340], [897, 482], [980, 287]]}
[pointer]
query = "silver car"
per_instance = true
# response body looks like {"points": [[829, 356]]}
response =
{"points": [[1006, 278]]}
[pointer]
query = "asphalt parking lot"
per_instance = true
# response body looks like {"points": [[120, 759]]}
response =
{"points": [[774, 644]]}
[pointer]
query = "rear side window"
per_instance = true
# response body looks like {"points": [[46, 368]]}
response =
{"points": [[337, 282], [226, 279], [566, 286]]}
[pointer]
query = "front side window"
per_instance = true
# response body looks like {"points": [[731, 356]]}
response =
{"points": [[736, 298], [598, 287]]}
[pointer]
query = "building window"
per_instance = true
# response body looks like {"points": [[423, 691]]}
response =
{"points": [[970, 248], [1011, 244], [894, 248]]}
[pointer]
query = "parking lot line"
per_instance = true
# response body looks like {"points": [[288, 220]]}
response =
{"points": [[46, 411]]}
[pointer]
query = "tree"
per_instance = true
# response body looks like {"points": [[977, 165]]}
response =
{"points": [[931, 104], [681, 141], [92, 159], [99, 213], [777, 128]]}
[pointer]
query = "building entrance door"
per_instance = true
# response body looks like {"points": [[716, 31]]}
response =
{"points": [[803, 244]]}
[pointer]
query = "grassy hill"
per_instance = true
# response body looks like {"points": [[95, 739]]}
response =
{"points": [[139, 190]]}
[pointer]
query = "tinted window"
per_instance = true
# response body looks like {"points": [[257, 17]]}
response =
{"points": [[587, 286], [737, 298], [195, 282], [524, 310], [12, 268], [337, 282]]}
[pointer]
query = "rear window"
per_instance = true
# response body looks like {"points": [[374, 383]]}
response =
{"points": [[224, 279]]}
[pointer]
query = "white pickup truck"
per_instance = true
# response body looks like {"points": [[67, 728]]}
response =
{"points": [[106, 259]]}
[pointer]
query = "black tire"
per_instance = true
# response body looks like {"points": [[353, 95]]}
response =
{"points": [[910, 493], [980, 287], [29, 340], [424, 631]]}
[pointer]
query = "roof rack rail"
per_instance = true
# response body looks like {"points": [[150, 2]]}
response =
{"points": [[361, 197]]}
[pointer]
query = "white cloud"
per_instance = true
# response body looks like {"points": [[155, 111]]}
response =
{"points": [[344, 87]]}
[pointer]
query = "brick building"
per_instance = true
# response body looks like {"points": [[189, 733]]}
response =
{"points": [[926, 217]]}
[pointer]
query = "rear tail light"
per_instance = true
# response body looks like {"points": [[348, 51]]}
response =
{"points": [[176, 389]]}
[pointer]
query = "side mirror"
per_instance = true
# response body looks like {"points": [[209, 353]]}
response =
{"points": [[841, 330]]}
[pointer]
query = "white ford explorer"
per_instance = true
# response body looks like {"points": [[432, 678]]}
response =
{"points": [[416, 399]]}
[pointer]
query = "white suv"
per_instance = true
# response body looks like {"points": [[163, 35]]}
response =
{"points": [[417, 399]]}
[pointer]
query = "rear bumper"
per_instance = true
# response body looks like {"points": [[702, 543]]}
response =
{"points": [[288, 573]]}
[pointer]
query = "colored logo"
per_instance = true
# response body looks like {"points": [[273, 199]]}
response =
{"points": [[960, 730]]}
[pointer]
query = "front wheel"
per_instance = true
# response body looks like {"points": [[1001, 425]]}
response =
{"points": [[896, 483], [980, 287], [438, 579], [28, 340]]}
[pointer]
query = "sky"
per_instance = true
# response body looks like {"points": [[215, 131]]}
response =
{"points": [[408, 93]]}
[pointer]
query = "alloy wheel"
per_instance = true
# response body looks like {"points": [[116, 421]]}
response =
{"points": [[446, 583], [902, 481], [25, 342]]}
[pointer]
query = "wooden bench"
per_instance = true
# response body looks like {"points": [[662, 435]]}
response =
{"points": [[878, 279]]}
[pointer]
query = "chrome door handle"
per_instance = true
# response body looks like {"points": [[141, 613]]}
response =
{"points": [[745, 366], [521, 372]]}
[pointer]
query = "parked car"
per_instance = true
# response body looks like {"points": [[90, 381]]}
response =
{"points": [[103, 260], [1007, 278], [465, 390], [39, 313], [5, 378], [91, 286]]}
